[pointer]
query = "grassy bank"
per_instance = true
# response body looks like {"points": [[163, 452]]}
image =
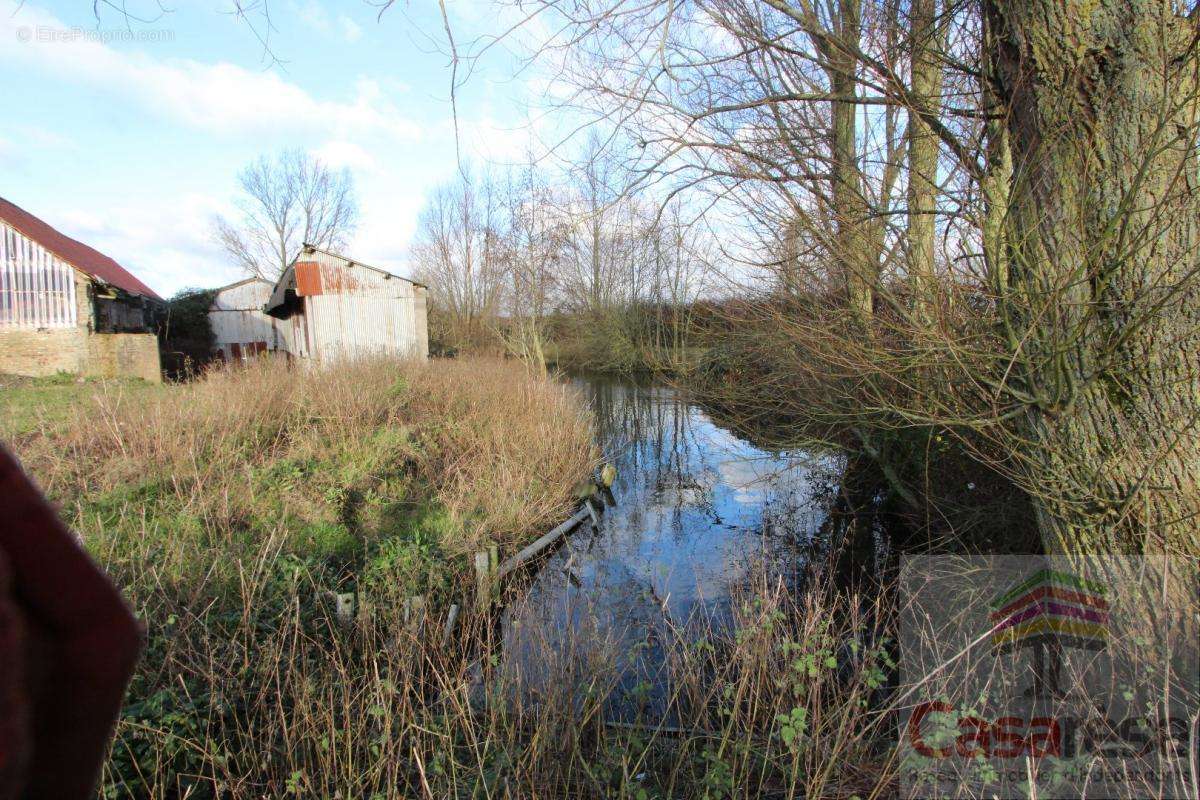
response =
{"points": [[32, 407], [228, 509], [641, 340]]}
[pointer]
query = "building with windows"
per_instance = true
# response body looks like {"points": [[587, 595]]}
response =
{"points": [[65, 307]]}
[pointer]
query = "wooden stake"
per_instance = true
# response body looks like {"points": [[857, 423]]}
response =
{"points": [[534, 548], [483, 590], [344, 607], [451, 619]]}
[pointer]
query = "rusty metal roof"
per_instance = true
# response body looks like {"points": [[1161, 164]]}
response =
{"points": [[302, 278], [76, 253], [312, 248]]}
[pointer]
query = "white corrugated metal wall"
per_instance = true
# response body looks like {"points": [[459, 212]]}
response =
{"points": [[37, 289], [236, 317], [362, 312]]}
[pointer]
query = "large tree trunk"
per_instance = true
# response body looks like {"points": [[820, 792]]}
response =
{"points": [[923, 147], [849, 205], [1102, 240], [997, 172]]}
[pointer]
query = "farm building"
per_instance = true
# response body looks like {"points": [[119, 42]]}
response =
{"points": [[339, 308], [240, 327], [65, 307]]}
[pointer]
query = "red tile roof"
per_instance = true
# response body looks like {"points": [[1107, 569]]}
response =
{"points": [[77, 254]]}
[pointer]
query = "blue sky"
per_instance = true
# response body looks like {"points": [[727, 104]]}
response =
{"points": [[131, 142]]}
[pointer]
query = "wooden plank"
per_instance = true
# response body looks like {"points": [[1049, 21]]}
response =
{"points": [[72, 304], [530, 551], [344, 607]]}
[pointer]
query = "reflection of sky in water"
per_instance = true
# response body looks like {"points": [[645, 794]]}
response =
{"points": [[699, 510]]}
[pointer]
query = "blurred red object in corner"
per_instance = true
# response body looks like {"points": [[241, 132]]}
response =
{"points": [[68, 645]]}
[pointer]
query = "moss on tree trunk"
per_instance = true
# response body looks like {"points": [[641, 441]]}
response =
{"points": [[1102, 238]]}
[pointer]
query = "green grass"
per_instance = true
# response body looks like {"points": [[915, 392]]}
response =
{"points": [[30, 404], [231, 510]]}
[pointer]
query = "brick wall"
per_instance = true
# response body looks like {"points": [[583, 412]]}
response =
{"points": [[46, 351], [43, 352], [84, 303], [102, 355], [123, 355]]}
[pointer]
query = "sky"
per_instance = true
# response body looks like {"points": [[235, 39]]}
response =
{"points": [[129, 134]]}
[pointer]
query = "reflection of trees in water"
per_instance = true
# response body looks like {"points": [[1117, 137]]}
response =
{"points": [[571, 642], [665, 449], [692, 501], [651, 436]]}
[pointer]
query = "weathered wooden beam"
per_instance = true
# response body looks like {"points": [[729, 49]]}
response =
{"points": [[663, 729], [531, 551], [414, 610]]}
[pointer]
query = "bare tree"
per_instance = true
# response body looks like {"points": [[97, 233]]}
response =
{"points": [[1054, 146], [537, 235], [285, 203], [460, 252]]}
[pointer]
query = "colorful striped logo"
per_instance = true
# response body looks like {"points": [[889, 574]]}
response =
{"points": [[1050, 606]]}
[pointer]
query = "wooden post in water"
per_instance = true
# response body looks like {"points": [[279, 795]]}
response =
{"points": [[608, 474]]}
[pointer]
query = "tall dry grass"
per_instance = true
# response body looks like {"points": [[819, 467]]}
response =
{"points": [[498, 450], [290, 703], [228, 510]]}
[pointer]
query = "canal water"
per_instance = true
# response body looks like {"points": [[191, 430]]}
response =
{"points": [[700, 513]]}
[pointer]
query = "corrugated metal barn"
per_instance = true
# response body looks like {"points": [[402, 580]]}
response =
{"points": [[240, 327], [339, 308]]}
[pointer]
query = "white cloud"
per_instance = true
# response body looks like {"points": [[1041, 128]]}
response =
{"points": [[168, 246], [10, 157], [221, 98], [314, 15], [37, 136], [351, 31], [341, 153]]}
